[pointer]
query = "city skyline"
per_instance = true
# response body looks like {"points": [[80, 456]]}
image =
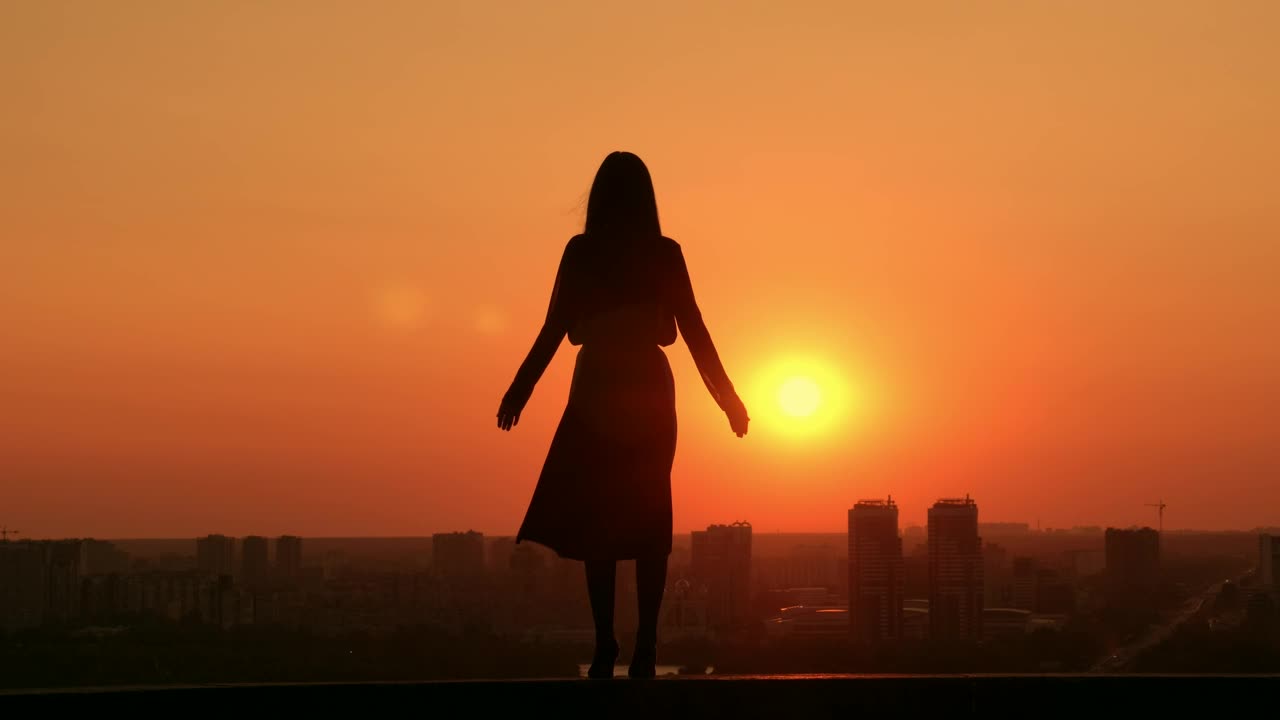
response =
{"points": [[1029, 527], [879, 603], [1093, 600]]}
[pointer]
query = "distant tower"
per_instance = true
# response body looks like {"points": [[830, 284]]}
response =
{"points": [[288, 557], [876, 575], [24, 585], [254, 565], [1269, 562], [1025, 576], [1133, 565], [955, 571], [216, 554], [721, 561], [458, 554]]}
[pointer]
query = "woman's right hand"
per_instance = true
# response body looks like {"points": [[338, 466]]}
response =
{"points": [[509, 412], [738, 417]]}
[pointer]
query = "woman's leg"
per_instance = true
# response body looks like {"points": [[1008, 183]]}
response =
{"points": [[651, 580], [601, 580]]}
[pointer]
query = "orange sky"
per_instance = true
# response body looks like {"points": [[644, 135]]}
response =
{"points": [[268, 267]]}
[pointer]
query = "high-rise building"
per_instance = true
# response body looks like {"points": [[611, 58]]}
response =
{"points": [[1133, 556], [1269, 562], [288, 557], [1024, 583], [955, 571], [40, 582], [102, 558], [66, 559], [458, 554], [876, 574], [216, 555], [997, 573], [254, 563], [721, 562], [24, 585]]}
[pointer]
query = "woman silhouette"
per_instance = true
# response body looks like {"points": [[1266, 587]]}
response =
{"points": [[605, 490]]}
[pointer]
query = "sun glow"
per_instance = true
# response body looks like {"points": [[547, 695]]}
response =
{"points": [[801, 397]]}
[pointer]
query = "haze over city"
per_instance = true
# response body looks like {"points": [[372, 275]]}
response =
{"points": [[266, 273]]}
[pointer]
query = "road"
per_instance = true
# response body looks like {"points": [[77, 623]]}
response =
{"points": [[1120, 659]]}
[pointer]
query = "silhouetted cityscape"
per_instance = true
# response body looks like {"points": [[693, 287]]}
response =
{"points": [[957, 595]]}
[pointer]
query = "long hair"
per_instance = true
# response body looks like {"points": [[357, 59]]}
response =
{"points": [[622, 199]]}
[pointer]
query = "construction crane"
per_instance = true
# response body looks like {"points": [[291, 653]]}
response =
{"points": [[1159, 506], [5, 532]]}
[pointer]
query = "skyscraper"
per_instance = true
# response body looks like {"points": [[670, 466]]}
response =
{"points": [[66, 564], [1269, 562], [458, 554], [1024, 583], [254, 565], [102, 557], [721, 562], [40, 581], [288, 557], [215, 555], [876, 577], [955, 570], [24, 584], [997, 574], [1133, 566]]}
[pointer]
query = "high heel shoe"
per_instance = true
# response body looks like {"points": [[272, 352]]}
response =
{"points": [[644, 661], [602, 662]]}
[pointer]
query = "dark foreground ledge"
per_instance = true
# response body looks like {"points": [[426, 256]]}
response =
{"points": [[779, 697]]}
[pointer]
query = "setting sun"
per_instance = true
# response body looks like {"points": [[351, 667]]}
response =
{"points": [[808, 396], [799, 396]]}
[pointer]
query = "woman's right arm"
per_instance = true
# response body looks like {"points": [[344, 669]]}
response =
{"points": [[554, 328], [698, 338]]}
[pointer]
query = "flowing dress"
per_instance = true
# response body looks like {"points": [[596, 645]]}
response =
{"points": [[605, 488]]}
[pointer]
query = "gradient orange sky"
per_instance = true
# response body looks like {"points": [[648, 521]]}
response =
{"points": [[269, 267]]}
